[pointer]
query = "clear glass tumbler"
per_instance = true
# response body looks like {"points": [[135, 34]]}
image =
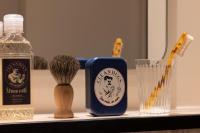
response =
{"points": [[155, 86]]}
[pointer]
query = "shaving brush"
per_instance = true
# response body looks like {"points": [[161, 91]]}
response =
{"points": [[63, 68]]}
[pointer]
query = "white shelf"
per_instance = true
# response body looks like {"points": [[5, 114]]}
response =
{"points": [[129, 122]]}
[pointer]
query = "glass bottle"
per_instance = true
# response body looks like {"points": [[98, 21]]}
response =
{"points": [[15, 65], [1, 30]]}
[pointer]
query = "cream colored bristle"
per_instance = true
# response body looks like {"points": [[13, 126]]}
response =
{"points": [[64, 68]]}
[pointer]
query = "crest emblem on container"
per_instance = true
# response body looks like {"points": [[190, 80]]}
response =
{"points": [[109, 87]]}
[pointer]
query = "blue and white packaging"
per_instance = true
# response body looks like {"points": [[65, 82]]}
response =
{"points": [[106, 86]]}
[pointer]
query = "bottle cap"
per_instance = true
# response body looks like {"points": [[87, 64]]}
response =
{"points": [[13, 23], [1, 28]]}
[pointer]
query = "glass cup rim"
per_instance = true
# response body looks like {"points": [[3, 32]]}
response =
{"points": [[148, 61]]}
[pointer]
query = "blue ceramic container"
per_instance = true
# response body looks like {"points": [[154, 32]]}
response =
{"points": [[106, 86]]}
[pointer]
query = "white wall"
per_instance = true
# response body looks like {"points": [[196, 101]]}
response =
{"points": [[185, 17], [188, 74], [156, 28]]}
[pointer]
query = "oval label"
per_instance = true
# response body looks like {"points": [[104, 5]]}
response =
{"points": [[109, 87]]}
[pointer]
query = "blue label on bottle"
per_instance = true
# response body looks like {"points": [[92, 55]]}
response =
{"points": [[16, 81]]}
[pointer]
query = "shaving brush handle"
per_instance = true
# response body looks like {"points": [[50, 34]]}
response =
{"points": [[63, 95]]}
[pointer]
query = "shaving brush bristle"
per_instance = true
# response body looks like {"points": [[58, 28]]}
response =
{"points": [[64, 68]]}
